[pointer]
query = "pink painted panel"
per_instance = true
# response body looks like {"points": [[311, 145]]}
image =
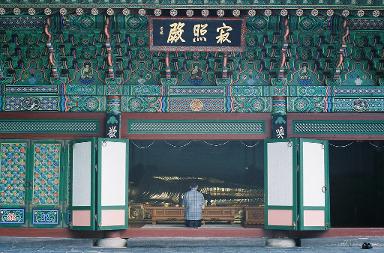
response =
{"points": [[314, 218], [280, 217], [112, 217], [81, 218]]}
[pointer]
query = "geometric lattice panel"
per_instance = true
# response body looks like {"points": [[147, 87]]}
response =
{"points": [[13, 160], [15, 22], [337, 127], [198, 127], [32, 89], [49, 126], [216, 91], [187, 104], [353, 91], [46, 173], [45, 216]]}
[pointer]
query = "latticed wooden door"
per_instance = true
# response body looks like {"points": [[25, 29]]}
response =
{"points": [[280, 182], [314, 185], [83, 173], [47, 181], [296, 184], [13, 183], [112, 177], [32, 183], [99, 199]]}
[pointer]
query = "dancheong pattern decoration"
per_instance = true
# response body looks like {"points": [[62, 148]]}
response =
{"points": [[163, 127], [45, 217], [322, 127], [209, 4], [72, 56], [46, 173], [13, 173], [31, 183], [12, 216], [72, 126]]}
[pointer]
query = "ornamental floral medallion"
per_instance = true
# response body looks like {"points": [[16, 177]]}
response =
{"points": [[11, 216], [196, 105]]}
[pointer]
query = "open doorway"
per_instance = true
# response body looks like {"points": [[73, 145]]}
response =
{"points": [[229, 174], [357, 183]]}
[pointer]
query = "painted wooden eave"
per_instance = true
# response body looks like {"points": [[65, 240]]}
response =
{"points": [[196, 4]]}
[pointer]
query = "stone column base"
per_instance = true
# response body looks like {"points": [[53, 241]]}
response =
{"points": [[115, 242], [281, 242]]}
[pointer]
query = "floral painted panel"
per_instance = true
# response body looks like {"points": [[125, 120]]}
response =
{"points": [[12, 216], [46, 173], [13, 160]]}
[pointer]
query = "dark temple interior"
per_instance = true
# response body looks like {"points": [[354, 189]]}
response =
{"points": [[227, 172], [357, 183], [231, 173]]}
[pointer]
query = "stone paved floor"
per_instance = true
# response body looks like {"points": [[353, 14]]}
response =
{"points": [[188, 245]]}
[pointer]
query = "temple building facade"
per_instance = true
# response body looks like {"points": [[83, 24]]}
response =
{"points": [[110, 109]]}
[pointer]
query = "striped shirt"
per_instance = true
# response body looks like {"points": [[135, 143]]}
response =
{"points": [[193, 201]]}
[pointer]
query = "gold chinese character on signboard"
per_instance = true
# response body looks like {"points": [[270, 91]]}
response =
{"points": [[199, 31], [176, 32], [223, 34]]}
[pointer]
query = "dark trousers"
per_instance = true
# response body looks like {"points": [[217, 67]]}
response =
{"points": [[193, 223]]}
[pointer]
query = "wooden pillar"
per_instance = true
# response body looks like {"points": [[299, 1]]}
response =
{"points": [[113, 110], [279, 101]]}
